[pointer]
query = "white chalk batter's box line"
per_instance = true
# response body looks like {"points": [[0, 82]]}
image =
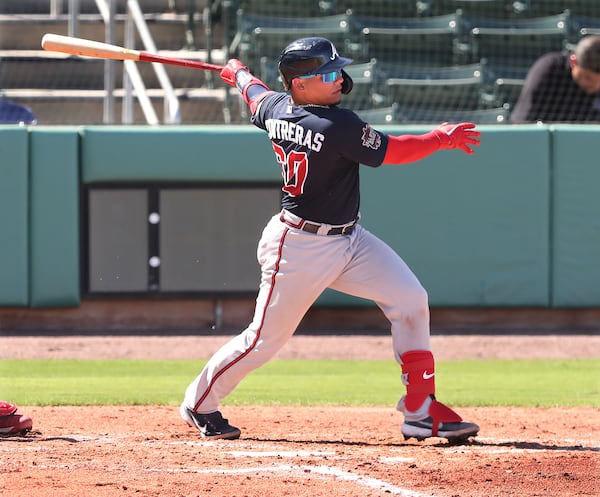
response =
{"points": [[321, 472], [331, 472], [250, 450]]}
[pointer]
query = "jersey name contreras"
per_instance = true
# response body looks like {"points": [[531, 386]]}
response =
{"points": [[279, 129]]}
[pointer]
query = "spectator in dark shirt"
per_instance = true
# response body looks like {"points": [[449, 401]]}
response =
{"points": [[562, 87]]}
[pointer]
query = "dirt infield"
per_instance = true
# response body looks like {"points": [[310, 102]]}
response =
{"points": [[351, 452], [299, 451], [366, 347]]}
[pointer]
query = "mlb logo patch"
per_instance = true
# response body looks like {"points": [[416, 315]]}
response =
{"points": [[371, 138]]}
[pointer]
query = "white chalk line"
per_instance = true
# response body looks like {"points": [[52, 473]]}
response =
{"points": [[301, 471], [366, 481]]}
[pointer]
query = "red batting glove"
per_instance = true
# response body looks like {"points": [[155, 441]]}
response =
{"points": [[461, 136], [230, 69]]}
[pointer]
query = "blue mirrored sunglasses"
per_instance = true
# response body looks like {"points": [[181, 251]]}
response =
{"points": [[328, 77]]}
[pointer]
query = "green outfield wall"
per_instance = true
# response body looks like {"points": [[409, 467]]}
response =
{"points": [[515, 225], [14, 216]]}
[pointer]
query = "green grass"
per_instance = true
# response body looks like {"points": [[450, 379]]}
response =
{"points": [[535, 383]]}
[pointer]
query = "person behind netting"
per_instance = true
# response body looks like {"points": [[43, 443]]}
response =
{"points": [[562, 87], [316, 240]]}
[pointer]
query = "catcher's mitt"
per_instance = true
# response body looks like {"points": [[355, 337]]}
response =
{"points": [[12, 423]]}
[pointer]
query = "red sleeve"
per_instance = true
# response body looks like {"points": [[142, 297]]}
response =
{"points": [[410, 148]]}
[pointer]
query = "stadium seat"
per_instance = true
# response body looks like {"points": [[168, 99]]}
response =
{"points": [[518, 42], [583, 26], [366, 81], [269, 74], [382, 8], [433, 40], [85, 6], [497, 9], [505, 83], [458, 87], [508, 90], [287, 8], [267, 36], [380, 115], [590, 31], [406, 115], [589, 8]]}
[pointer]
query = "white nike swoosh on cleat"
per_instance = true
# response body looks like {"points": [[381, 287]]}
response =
{"points": [[428, 376]]}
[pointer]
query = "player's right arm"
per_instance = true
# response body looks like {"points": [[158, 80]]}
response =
{"points": [[253, 90], [409, 148]]}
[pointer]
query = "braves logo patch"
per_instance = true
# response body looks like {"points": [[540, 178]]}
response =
{"points": [[371, 138]]}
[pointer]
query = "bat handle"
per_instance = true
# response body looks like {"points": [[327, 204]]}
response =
{"points": [[152, 57]]}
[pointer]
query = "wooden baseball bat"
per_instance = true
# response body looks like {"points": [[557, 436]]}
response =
{"points": [[89, 48]]}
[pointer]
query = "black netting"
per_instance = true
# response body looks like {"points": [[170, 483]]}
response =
{"points": [[413, 59]]}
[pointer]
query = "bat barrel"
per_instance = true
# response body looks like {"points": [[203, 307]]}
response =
{"points": [[87, 48], [90, 48]]}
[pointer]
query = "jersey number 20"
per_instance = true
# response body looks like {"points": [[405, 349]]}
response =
{"points": [[294, 169]]}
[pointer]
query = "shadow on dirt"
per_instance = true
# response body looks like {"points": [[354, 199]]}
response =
{"points": [[533, 446], [517, 445], [37, 436]]}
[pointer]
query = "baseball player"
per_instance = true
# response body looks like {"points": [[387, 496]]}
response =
{"points": [[316, 242]]}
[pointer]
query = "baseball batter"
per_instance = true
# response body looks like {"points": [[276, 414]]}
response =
{"points": [[316, 242]]}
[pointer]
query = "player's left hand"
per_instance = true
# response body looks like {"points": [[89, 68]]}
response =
{"points": [[462, 135], [230, 69]]}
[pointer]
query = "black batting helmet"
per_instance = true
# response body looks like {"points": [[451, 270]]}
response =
{"points": [[313, 55]]}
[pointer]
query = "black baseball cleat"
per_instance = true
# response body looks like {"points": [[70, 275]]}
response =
{"points": [[426, 428], [434, 419], [212, 426]]}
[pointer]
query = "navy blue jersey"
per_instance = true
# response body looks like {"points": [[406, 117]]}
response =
{"points": [[319, 150]]}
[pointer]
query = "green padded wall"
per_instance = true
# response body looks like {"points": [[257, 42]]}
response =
{"points": [[183, 153], [54, 224], [576, 216], [474, 229], [14, 243], [514, 225]]}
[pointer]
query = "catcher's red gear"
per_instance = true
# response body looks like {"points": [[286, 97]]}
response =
{"points": [[12, 423]]}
